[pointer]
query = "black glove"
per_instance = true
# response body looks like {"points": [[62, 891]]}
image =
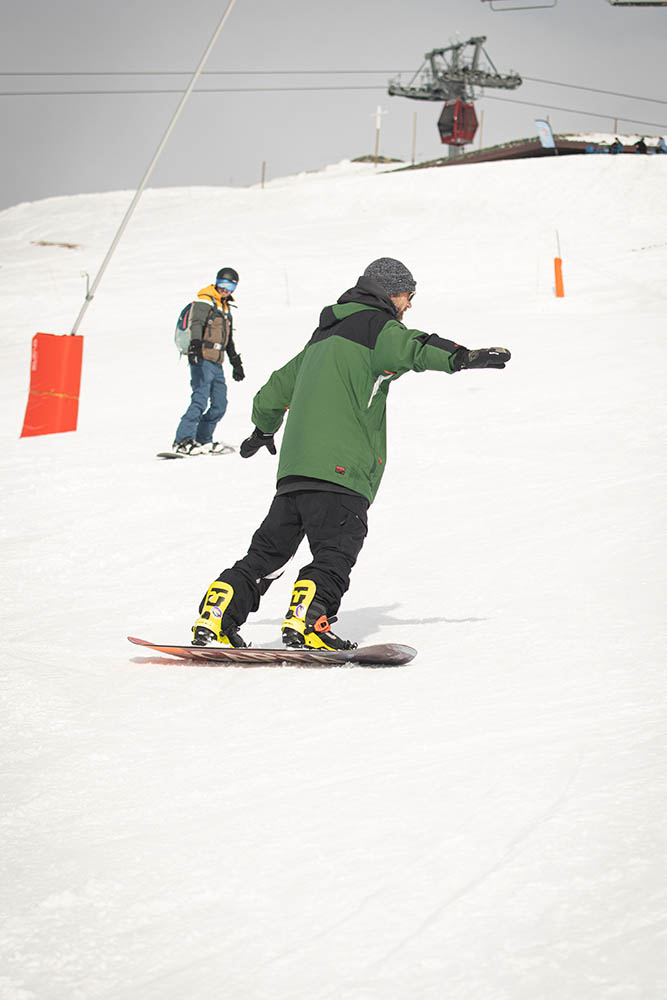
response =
{"points": [[257, 439], [237, 368], [483, 357], [194, 352]]}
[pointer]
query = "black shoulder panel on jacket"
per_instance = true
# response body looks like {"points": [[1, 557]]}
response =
{"points": [[363, 327], [433, 340]]}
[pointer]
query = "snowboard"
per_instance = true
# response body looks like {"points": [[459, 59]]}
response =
{"points": [[223, 449], [386, 654]]}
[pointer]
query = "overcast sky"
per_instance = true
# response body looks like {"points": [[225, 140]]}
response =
{"points": [[55, 145]]}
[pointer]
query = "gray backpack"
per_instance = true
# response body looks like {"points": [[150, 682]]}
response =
{"points": [[214, 329]]}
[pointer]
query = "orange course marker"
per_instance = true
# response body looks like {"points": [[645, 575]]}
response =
{"points": [[55, 381], [558, 268]]}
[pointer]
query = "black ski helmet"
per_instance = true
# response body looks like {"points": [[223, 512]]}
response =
{"points": [[227, 274]]}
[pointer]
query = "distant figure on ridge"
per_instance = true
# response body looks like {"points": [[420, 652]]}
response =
{"points": [[616, 146], [204, 334], [332, 456], [662, 145], [640, 147]]}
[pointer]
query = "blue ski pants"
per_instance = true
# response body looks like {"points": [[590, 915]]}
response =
{"points": [[209, 389]]}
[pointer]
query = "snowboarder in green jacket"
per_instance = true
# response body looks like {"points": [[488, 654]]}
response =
{"points": [[332, 456]]}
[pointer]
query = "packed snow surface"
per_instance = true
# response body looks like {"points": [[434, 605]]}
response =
{"points": [[486, 823]]}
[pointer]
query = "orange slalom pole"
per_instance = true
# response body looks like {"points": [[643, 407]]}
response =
{"points": [[558, 269]]}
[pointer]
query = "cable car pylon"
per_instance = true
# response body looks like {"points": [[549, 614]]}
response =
{"points": [[454, 76]]}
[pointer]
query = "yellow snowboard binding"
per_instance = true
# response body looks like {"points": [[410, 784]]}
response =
{"points": [[208, 627], [306, 622]]}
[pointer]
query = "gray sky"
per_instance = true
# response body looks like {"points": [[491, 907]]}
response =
{"points": [[55, 145]]}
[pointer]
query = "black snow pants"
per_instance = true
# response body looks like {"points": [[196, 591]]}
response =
{"points": [[335, 525]]}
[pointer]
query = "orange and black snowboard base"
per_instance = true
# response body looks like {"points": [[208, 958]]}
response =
{"points": [[386, 654]]}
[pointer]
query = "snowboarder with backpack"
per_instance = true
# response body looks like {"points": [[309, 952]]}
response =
{"points": [[332, 455], [204, 334]]}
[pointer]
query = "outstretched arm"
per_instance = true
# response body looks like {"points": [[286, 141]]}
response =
{"points": [[401, 350]]}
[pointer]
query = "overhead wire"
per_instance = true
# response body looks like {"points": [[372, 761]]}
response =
{"points": [[307, 89], [167, 90], [595, 90], [287, 72], [575, 111], [247, 90], [206, 72]]}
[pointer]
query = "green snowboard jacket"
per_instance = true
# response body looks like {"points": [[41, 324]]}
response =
{"points": [[335, 390]]}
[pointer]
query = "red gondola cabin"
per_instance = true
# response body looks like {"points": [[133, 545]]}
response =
{"points": [[458, 123]]}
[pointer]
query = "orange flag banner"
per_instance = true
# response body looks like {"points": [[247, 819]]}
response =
{"points": [[55, 380]]}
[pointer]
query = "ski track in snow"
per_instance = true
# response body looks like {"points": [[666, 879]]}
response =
{"points": [[485, 823]]}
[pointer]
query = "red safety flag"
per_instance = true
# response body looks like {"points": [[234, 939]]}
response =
{"points": [[55, 380]]}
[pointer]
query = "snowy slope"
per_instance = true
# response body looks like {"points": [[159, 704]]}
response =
{"points": [[484, 824]]}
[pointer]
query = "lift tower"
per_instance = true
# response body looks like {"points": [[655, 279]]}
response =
{"points": [[454, 76]]}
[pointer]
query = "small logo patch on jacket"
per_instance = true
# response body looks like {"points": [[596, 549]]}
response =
{"points": [[340, 469]]}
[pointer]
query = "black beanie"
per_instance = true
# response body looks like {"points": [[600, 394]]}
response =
{"points": [[392, 275]]}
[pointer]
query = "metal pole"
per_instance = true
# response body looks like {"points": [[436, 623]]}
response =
{"points": [[414, 137], [263, 172], [158, 151]]}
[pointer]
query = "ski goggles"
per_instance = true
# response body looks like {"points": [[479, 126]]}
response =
{"points": [[227, 284]]}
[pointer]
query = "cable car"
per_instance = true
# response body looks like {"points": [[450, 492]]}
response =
{"points": [[457, 123]]}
